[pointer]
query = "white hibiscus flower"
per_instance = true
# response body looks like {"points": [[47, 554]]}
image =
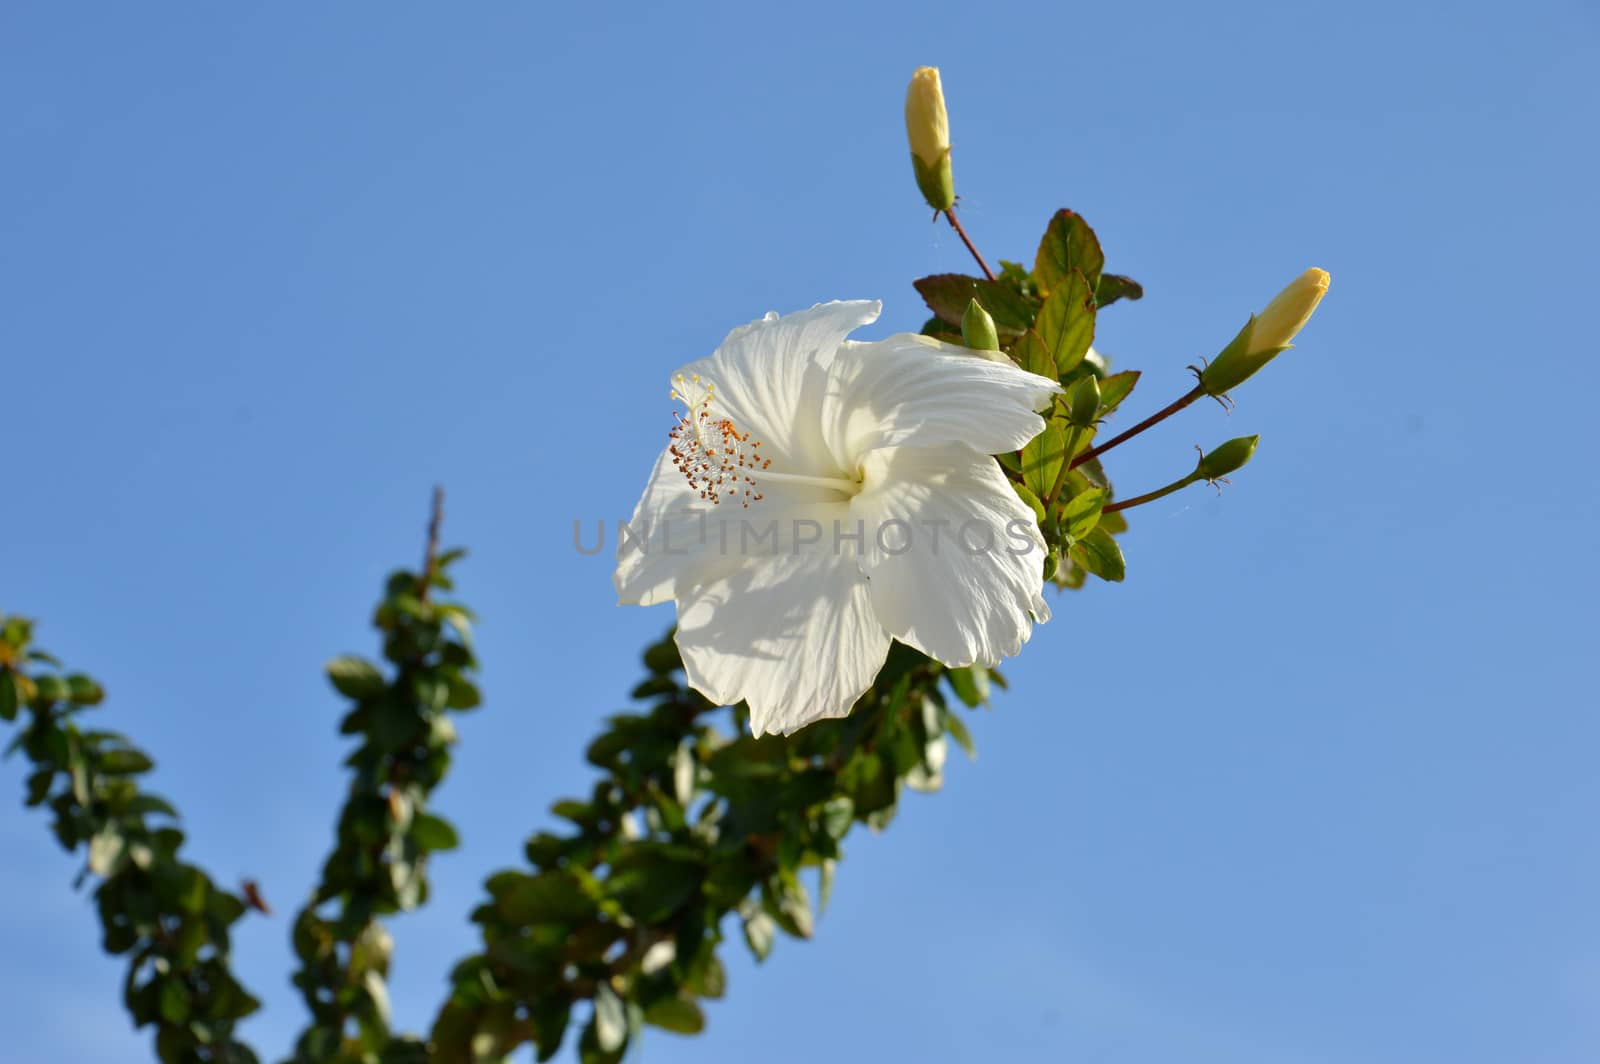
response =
{"points": [[822, 497]]}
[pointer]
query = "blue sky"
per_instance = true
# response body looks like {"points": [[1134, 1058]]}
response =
{"points": [[1321, 787]]}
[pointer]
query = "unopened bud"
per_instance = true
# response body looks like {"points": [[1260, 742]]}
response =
{"points": [[977, 328], [928, 130], [1267, 334], [1227, 458], [1083, 402]]}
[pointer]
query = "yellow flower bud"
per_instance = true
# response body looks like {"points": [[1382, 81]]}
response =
{"points": [[1289, 311], [928, 130], [1266, 335]]}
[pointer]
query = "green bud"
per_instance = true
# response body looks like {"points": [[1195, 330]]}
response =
{"points": [[977, 328], [1083, 401], [1227, 458], [1266, 335]]}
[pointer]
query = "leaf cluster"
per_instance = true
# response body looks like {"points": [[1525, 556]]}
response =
{"points": [[385, 832], [1045, 316], [693, 828], [168, 917]]}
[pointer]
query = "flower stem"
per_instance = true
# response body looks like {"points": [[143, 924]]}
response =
{"points": [[955, 223], [1154, 419], [430, 556], [1140, 500], [1073, 435]]}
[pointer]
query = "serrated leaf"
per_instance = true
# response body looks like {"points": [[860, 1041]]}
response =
{"points": [[1068, 244], [1099, 554], [1066, 323], [1042, 457], [1081, 514], [1026, 494], [1033, 355], [947, 295], [355, 678]]}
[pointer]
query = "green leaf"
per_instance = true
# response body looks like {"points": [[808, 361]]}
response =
{"points": [[1099, 554], [1068, 244], [84, 691], [759, 932], [9, 699], [1082, 513], [683, 774], [549, 897], [947, 295], [50, 689], [663, 657], [788, 904], [550, 1017], [1066, 323], [610, 1019], [1042, 457], [1114, 286], [956, 728], [434, 833], [174, 1000], [1026, 494], [461, 693], [355, 678], [104, 849], [830, 868], [124, 762], [971, 684], [1033, 355], [1115, 388], [837, 814], [676, 1014]]}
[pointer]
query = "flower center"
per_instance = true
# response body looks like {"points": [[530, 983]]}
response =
{"points": [[719, 461]]}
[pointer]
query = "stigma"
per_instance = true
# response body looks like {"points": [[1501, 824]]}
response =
{"points": [[717, 460]]}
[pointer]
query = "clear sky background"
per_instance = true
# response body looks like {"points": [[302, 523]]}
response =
{"points": [[1317, 784]]}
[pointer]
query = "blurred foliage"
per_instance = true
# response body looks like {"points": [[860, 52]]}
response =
{"points": [[167, 916], [693, 828], [385, 832]]}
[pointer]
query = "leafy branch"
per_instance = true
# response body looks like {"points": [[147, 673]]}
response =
{"points": [[621, 914], [385, 833], [169, 917]]}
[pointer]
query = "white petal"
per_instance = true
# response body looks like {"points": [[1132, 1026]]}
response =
{"points": [[664, 538], [676, 539], [955, 559], [770, 376], [792, 635], [915, 391]]}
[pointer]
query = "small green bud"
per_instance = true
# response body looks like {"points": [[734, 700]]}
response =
{"points": [[977, 328], [1083, 401], [1266, 335], [1227, 458], [928, 130]]}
